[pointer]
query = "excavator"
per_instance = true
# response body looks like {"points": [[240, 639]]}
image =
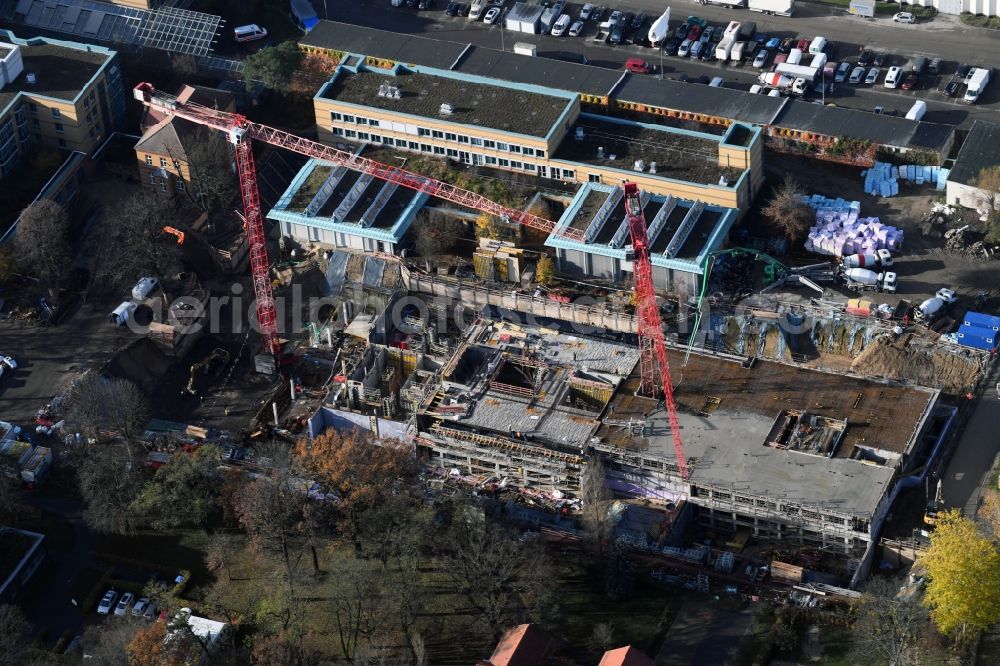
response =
{"points": [[209, 366], [175, 232]]}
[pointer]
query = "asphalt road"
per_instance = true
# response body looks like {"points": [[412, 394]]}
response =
{"points": [[944, 37], [49, 356]]}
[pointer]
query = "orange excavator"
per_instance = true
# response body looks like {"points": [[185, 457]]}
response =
{"points": [[175, 232]]}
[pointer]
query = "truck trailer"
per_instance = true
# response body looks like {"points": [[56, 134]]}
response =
{"points": [[772, 7], [735, 4]]}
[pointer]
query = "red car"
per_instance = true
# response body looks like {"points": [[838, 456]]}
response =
{"points": [[638, 65], [802, 45], [910, 81], [694, 32]]}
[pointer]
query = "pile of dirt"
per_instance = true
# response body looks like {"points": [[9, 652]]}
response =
{"points": [[141, 362], [950, 368]]}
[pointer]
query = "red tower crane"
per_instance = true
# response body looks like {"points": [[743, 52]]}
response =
{"points": [[652, 343], [241, 131]]}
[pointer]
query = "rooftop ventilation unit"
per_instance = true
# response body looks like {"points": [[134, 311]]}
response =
{"points": [[446, 109], [11, 64], [579, 134]]}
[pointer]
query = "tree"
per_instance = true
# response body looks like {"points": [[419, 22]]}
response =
{"points": [[182, 492], [436, 234], [619, 574], [988, 181], [222, 548], [602, 637], [109, 642], [287, 649], [146, 646], [98, 405], [42, 241], [15, 633], [8, 263], [788, 211], [487, 226], [964, 571], [886, 627], [210, 166], [359, 471], [360, 607], [130, 241], [314, 70], [595, 502], [545, 270], [109, 483], [487, 564], [275, 67]]}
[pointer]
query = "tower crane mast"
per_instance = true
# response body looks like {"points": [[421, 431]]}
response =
{"points": [[240, 132]]}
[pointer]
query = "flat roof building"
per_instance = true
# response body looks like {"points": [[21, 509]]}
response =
{"points": [[981, 150], [56, 93], [21, 553]]}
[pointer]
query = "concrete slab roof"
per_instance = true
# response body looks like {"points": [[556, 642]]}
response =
{"points": [[473, 102], [407, 49], [61, 69]]}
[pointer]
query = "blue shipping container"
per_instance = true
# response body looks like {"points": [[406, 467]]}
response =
{"points": [[978, 338], [981, 320]]}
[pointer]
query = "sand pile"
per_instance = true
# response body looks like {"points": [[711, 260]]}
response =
{"points": [[951, 369]]}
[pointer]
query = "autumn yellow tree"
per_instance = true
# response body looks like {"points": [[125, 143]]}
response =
{"points": [[146, 647], [357, 470], [545, 270], [486, 226], [964, 570], [989, 513]]}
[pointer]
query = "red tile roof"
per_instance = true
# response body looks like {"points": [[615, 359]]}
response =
{"points": [[625, 656], [524, 645]]}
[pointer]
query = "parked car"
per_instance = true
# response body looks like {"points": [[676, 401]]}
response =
{"points": [[463, 9], [696, 48], [561, 25], [706, 36], [760, 60], [107, 602], [150, 612], [124, 604], [249, 33], [904, 17], [802, 45], [598, 14], [685, 48], [451, 9], [491, 15], [842, 71], [878, 110], [586, 11], [756, 89], [786, 45], [761, 38], [872, 75], [963, 71], [576, 29], [638, 65], [670, 47], [716, 82], [951, 90], [682, 31], [616, 16], [140, 607], [697, 20], [616, 34], [880, 58], [935, 66], [694, 32], [857, 74], [8, 361], [639, 20], [910, 82], [892, 77], [865, 58], [425, 4]]}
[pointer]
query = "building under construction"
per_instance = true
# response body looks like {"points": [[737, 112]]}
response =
{"points": [[778, 453]]}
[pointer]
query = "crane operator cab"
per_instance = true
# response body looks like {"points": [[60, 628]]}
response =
{"points": [[236, 135]]}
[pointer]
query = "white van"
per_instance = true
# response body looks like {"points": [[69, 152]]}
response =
{"points": [[892, 77], [122, 313], [249, 33], [794, 57], [716, 82], [560, 27], [818, 61], [917, 111], [817, 45], [477, 9], [144, 288]]}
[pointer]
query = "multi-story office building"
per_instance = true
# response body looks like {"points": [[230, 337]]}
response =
{"points": [[54, 93]]}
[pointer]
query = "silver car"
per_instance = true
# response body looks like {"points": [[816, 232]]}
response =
{"points": [[857, 74]]}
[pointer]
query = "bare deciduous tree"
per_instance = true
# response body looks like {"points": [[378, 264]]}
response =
{"points": [[988, 181], [436, 233], [15, 633], [99, 405], [596, 498], [788, 211], [42, 241], [886, 627], [209, 162], [132, 243]]}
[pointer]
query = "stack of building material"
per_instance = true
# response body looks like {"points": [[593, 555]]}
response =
{"points": [[883, 178], [840, 230]]}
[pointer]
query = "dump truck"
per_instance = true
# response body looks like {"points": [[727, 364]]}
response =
{"points": [[772, 7], [862, 279], [881, 258]]}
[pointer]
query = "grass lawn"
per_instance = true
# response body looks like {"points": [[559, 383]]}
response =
{"points": [[836, 646], [992, 22]]}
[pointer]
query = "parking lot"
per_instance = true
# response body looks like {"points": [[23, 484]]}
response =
{"points": [[943, 37]]}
